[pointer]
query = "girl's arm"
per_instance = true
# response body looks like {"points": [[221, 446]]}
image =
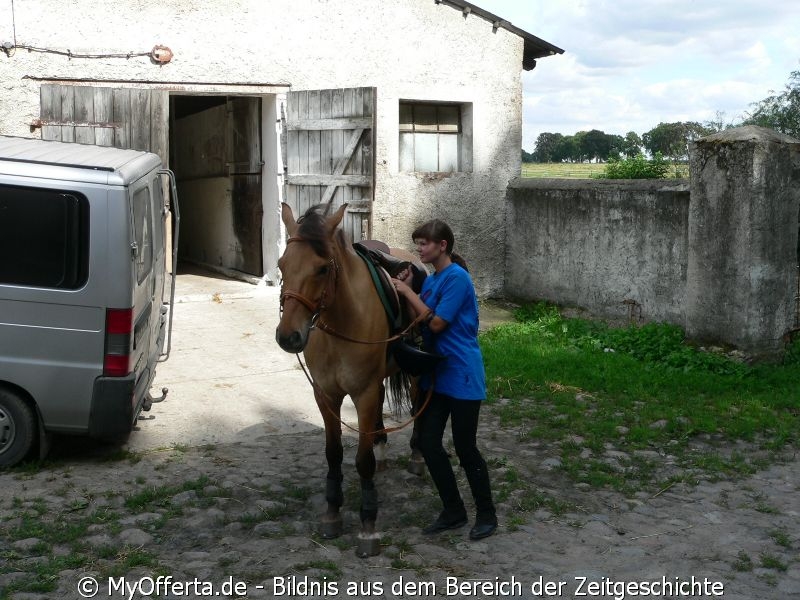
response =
{"points": [[415, 304]]}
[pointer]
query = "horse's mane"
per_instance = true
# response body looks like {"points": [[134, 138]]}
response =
{"points": [[312, 228]]}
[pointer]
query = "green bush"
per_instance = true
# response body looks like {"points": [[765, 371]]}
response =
{"points": [[637, 167]]}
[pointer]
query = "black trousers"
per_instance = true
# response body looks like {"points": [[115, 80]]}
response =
{"points": [[463, 415]]}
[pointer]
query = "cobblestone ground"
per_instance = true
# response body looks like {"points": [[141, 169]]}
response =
{"points": [[240, 521]]}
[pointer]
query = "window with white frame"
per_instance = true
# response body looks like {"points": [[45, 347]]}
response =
{"points": [[432, 137]]}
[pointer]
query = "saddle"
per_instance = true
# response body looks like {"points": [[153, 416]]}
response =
{"points": [[382, 267]]}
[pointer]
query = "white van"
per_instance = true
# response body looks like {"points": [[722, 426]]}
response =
{"points": [[83, 314]]}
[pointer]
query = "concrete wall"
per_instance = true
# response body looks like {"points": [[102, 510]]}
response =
{"points": [[597, 243], [407, 49]]}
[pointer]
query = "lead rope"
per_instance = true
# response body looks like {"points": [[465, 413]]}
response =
{"points": [[316, 387]]}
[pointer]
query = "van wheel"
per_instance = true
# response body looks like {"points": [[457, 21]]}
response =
{"points": [[17, 428]]}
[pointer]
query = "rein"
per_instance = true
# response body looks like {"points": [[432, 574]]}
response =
{"points": [[316, 387]]}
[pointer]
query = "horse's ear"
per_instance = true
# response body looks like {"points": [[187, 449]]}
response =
{"points": [[333, 221], [288, 218]]}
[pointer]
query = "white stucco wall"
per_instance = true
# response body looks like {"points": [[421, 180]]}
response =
{"points": [[407, 49]]}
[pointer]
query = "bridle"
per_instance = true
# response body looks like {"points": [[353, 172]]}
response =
{"points": [[316, 307]]}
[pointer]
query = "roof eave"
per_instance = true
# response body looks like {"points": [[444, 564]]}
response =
{"points": [[534, 47]]}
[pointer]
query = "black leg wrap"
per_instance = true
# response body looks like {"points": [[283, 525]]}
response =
{"points": [[369, 501], [333, 491]]}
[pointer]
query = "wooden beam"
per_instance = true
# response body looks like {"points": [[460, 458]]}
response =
{"points": [[329, 180], [341, 165], [329, 124]]}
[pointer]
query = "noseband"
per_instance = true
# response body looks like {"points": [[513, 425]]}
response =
{"points": [[316, 307]]}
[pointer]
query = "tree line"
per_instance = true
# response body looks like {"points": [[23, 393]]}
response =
{"points": [[779, 111]]}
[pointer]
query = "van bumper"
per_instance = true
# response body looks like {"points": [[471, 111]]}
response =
{"points": [[112, 411]]}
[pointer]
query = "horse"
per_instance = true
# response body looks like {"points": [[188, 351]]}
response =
{"points": [[332, 313]]}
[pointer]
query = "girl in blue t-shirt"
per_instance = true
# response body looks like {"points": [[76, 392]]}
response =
{"points": [[459, 386]]}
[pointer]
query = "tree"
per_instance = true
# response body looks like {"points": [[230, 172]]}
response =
{"points": [[527, 157], [632, 145], [567, 150], [595, 145], [546, 147], [780, 112], [672, 139]]}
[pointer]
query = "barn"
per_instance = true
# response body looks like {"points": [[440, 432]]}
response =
{"points": [[404, 109]]}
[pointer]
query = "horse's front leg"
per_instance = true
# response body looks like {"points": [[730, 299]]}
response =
{"points": [[367, 405], [331, 523]]}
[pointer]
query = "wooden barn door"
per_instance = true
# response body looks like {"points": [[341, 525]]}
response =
{"points": [[244, 164], [119, 117], [329, 153]]}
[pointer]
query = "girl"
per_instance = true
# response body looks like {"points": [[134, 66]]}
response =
{"points": [[451, 329]]}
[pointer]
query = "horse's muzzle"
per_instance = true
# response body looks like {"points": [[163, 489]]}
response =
{"points": [[294, 342]]}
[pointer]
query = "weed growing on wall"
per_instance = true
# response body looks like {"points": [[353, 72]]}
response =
{"points": [[637, 167]]}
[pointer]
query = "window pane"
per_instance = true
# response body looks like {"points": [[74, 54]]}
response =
{"points": [[43, 238], [406, 118], [406, 152], [425, 117], [448, 118], [426, 152], [448, 152], [143, 230]]}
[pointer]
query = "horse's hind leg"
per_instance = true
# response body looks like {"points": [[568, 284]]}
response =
{"points": [[379, 445], [331, 523]]}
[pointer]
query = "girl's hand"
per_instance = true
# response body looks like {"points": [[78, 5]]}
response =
{"points": [[401, 287]]}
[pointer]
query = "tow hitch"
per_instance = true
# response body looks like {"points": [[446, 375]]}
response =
{"points": [[149, 400]]}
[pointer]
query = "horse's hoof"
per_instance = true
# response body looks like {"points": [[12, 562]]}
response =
{"points": [[416, 467], [381, 465], [368, 546], [330, 528]]}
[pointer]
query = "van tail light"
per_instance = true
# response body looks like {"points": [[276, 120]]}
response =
{"points": [[119, 342]]}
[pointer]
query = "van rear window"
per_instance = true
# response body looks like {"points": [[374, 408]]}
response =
{"points": [[44, 237]]}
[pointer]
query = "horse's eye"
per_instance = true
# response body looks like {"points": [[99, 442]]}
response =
{"points": [[322, 270]]}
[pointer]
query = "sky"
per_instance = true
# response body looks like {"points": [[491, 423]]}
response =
{"points": [[629, 65]]}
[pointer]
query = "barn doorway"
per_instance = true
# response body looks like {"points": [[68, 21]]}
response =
{"points": [[215, 151]]}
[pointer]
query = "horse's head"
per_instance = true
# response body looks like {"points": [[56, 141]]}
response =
{"points": [[309, 270]]}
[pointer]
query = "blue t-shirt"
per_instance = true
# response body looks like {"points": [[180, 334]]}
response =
{"points": [[451, 296]]}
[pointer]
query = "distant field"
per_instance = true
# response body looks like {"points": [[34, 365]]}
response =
{"points": [[564, 170], [576, 170]]}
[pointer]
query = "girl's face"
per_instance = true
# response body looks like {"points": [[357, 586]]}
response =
{"points": [[429, 250]]}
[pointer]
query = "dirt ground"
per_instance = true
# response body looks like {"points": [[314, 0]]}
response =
{"points": [[237, 515]]}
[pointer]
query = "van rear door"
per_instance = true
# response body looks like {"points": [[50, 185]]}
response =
{"points": [[148, 282]]}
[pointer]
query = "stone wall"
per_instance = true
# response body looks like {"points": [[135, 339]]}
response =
{"points": [[716, 254]]}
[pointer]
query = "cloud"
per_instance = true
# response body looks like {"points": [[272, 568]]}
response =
{"points": [[629, 65]]}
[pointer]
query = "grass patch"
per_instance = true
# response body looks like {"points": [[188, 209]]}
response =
{"points": [[328, 568], [160, 495], [583, 170], [780, 538], [770, 561], [636, 388]]}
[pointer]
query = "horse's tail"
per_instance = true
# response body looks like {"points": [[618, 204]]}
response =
{"points": [[399, 397]]}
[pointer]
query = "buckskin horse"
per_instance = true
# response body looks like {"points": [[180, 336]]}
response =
{"points": [[331, 311]]}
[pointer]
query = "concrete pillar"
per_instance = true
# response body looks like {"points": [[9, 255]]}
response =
{"points": [[743, 234]]}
